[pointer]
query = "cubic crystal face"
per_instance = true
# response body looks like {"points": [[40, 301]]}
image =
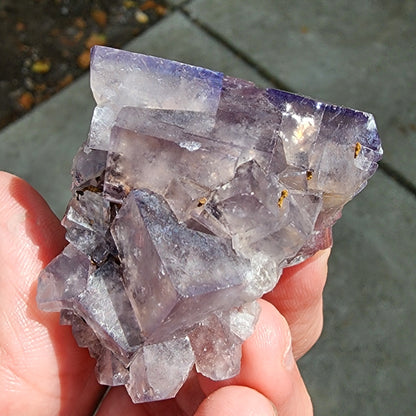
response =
{"points": [[192, 193]]}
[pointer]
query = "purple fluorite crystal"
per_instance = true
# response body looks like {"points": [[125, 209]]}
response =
{"points": [[192, 193]]}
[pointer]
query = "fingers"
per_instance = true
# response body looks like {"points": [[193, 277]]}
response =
{"points": [[298, 297], [268, 366], [236, 401], [229, 400], [40, 363]]}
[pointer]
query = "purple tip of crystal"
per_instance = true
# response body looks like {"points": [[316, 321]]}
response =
{"points": [[138, 61], [161, 68], [363, 123], [282, 98]]}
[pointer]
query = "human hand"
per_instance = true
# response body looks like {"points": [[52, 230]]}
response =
{"points": [[44, 372]]}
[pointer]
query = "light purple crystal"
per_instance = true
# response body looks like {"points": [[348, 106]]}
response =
{"points": [[192, 193]]}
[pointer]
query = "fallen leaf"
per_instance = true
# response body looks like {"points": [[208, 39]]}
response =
{"points": [[41, 66], [149, 4], [95, 39], [80, 23], [160, 10], [78, 36], [99, 16], [20, 26], [129, 4], [66, 80], [83, 60], [26, 100], [141, 17]]}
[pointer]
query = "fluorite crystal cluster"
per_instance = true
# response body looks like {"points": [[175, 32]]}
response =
{"points": [[192, 193]]}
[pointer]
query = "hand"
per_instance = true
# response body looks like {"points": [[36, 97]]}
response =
{"points": [[44, 372]]}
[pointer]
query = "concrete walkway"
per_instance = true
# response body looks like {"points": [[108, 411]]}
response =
{"points": [[354, 53]]}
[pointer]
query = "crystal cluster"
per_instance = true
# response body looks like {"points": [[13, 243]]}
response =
{"points": [[192, 193]]}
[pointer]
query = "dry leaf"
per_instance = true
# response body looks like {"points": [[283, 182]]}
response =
{"points": [[96, 39], [41, 66], [99, 16], [83, 60], [26, 100]]}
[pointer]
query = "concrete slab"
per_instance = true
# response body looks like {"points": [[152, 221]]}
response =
{"points": [[40, 146], [364, 363], [358, 54]]}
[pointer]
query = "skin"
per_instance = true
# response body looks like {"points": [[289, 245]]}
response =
{"points": [[44, 372]]}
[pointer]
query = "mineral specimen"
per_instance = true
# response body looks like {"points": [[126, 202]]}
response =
{"points": [[192, 193]]}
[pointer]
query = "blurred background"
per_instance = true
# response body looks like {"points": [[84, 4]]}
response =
{"points": [[360, 54]]}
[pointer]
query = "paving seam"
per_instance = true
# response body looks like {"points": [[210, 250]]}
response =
{"points": [[398, 177], [237, 52]]}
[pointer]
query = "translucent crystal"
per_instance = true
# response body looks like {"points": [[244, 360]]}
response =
{"points": [[159, 370], [191, 194]]}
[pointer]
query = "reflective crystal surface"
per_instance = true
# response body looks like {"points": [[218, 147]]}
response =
{"points": [[191, 194]]}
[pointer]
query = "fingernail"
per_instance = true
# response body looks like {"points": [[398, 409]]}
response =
{"points": [[324, 254], [274, 408], [288, 360]]}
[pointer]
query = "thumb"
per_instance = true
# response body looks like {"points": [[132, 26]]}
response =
{"points": [[236, 401]]}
